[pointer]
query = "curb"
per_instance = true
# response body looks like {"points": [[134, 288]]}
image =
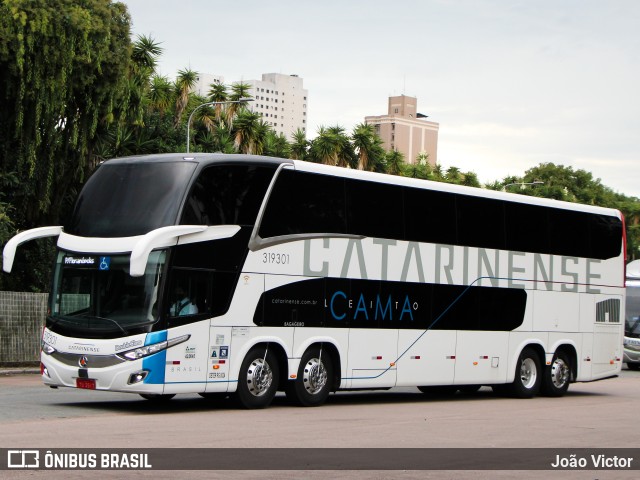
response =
{"points": [[19, 371]]}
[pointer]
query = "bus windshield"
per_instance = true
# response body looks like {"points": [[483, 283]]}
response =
{"points": [[632, 324], [94, 296], [129, 199]]}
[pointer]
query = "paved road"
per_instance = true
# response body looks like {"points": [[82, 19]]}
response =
{"points": [[600, 414]]}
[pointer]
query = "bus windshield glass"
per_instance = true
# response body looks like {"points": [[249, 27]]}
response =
{"points": [[129, 199], [94, 296], [632, 325]]}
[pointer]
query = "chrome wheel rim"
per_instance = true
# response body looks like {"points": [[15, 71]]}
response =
{"points": [[314, 376], [528, 373], [259, 377], [559, 373]]}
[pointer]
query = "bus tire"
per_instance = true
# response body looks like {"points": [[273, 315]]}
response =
{"points": [[633, 366], [258, 379], [312, 385], [158, 397], [557, 376], [526, 383]]}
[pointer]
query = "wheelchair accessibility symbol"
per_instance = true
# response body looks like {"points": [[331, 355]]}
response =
{"points": [[105, 263]]}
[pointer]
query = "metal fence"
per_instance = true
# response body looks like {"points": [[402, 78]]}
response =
{"points": [[22, 317]]}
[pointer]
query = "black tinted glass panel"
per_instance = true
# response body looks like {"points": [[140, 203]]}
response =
{"points": [[227, 195], [304, 203], [569, 233], [128, 199], [430, 216], [480, 222], [527, 228], [606, 236], [374, 209]]}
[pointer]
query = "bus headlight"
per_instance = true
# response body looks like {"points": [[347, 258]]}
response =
{"points": [[147, 350], [48, 349]]}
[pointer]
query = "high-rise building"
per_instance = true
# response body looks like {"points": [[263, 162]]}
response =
{"points": [[203, 83], [281, 101], [407, 131]]}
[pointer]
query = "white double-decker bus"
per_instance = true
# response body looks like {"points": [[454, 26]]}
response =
{"points": [[246, 275]]}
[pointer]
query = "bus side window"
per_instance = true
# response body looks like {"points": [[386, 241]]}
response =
{"points": [[189, 293]]}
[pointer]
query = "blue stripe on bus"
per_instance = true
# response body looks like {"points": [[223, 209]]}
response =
{"points": [[155, 364]]}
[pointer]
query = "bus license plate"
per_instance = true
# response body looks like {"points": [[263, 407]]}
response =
{"points": [[86, 383]]}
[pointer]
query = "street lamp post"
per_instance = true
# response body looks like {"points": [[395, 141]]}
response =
{"points": [[209, 104]]}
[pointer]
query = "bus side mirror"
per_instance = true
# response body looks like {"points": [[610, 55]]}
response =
{"points": [[9, 252]]}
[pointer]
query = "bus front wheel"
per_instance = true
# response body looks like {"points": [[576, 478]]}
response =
{"points": [[312, 385], [258, 379]]}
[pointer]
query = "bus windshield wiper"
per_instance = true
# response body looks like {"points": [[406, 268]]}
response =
{"points": [[104, 318]]}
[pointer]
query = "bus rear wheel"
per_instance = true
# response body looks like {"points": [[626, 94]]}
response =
{"points": [[258, 379], [312, 385], [557, 376]]}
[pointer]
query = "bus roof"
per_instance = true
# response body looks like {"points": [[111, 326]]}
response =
{"points": [[205, 159]]}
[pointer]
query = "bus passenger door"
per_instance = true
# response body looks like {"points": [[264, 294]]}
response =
{"points": [[185, 369]]}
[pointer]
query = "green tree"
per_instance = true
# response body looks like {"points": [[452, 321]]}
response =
{"points": [[218, 93], [185, 82], [238, 91], [245, 132], [64, 76], [395, 162], [299, 145], [368, 146], [63, 67], [276, 145], [332, 147]]}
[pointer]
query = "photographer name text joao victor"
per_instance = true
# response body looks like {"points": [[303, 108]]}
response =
{"points": [[600, 461]]}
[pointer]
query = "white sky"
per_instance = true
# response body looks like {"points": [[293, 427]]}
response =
{"points": [[512, 83]]}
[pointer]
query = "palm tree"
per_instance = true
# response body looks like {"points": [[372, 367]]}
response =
{"points": [[323, 148], [395, 162], [344, 153], [218, 93], [244, 131], [238, 91], [453, 175], [367, 144], [184, 84], [471, 180], [276, 145], [299, 145], [422, 158], [160, 94], [145, 53], [223, 139]]}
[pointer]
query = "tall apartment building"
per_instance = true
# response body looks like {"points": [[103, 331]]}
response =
{"points": [[203, 83], [406, 130], [281, 101]]}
